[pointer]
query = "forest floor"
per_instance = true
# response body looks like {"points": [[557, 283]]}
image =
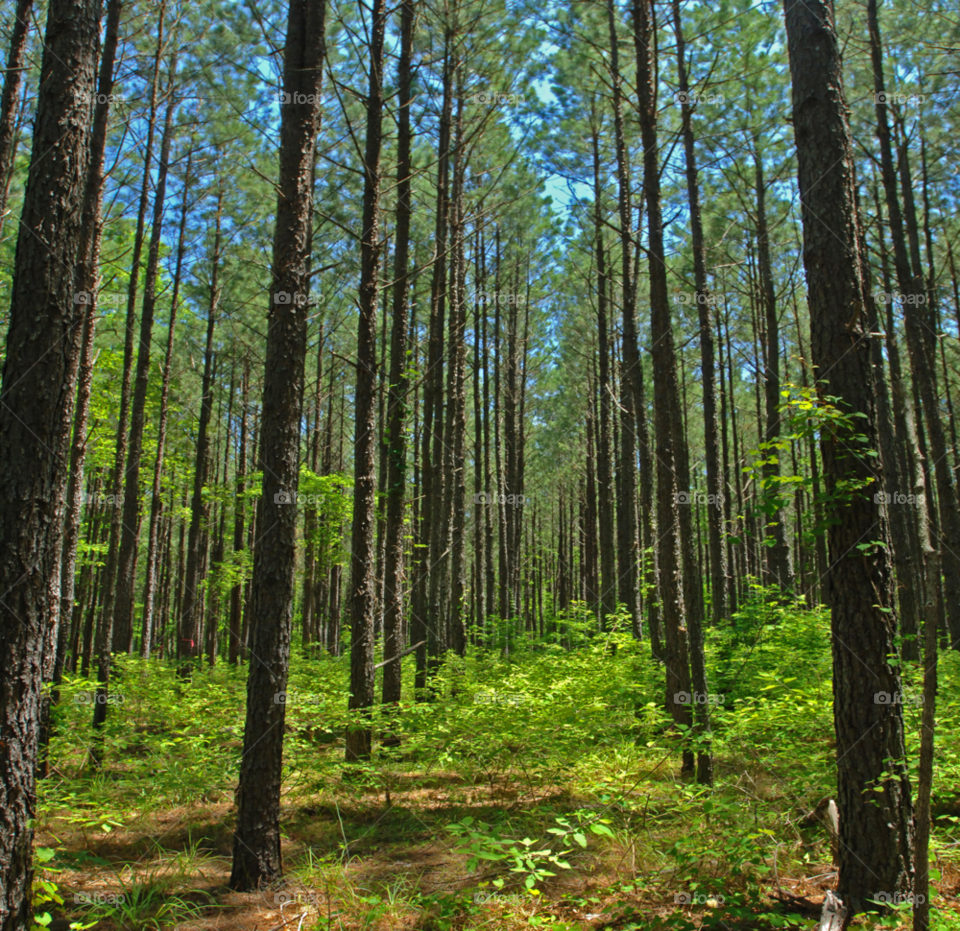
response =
{"points": [[537, 791]]}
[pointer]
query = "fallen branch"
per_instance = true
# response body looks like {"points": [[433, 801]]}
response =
{"points": [[406, 652], [289, 921]]}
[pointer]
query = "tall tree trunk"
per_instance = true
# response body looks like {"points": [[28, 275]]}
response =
{"points": [[425, 619], [819, 528], [239, 513], [399, 379], [673, 493], [902, 520], [308, 607], [156, 502], [920, 342], [715, 495], [363, 599], [129, 536], [188, 648], [779, 566], [87, 278], [590, 554], [873, 792], [480, 554], [450, 567], [256, 848], [39, 376], [488, 485], [221, 480], [605, 480], [627, 536], [107, 633]]}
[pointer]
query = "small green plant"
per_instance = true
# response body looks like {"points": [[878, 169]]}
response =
{"points": [[45, 892], [525, 857]]}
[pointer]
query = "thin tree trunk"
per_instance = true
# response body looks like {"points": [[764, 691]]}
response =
{"points": [[605, 480], [628, 554], [239, 512], [10, 99], [189, 627], [399, 380], [256, 850], [425, 619], [715, 495], [129, 536], [920, 340], [672, 480], [363, 598], [156, 501], [779, 566], [107, 632]]}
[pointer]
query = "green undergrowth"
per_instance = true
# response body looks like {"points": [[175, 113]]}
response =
{"points": [[542, 786]]}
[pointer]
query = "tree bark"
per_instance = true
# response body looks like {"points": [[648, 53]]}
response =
{"points": [[627, 536], [39, 375], [605, 481], [363, 600], [10, 99], [715, 495], [672, 491], [399, 379], [256, 848], [876, 830], [239, 513], [87, 276], [424, 619]]}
